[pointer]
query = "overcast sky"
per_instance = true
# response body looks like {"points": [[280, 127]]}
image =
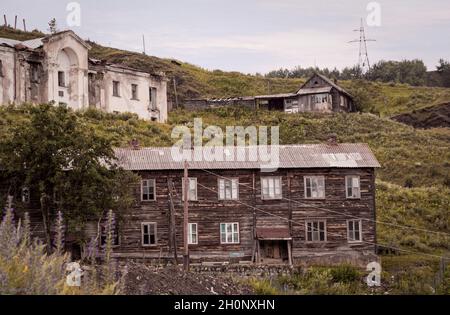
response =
{"points": [[253, 35]]}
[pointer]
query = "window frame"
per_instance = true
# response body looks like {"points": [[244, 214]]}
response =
{"points": [[354, 241], [230, 179], [276, 197], [149, 234], [62, 75], [305, 178], [233, 232], [26, 200], [152, 98], [142, 190], [196, 188], [190, 225], [116, 91], [134, 92], [312, 235], [347, 187]]}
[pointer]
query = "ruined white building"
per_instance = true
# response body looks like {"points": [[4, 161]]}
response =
{"points": [[57, 68]]}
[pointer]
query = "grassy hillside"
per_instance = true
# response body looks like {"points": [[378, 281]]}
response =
{"points": [[193, 81]]}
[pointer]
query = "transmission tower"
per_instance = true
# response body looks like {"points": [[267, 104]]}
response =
{"points": [[363, 57]]}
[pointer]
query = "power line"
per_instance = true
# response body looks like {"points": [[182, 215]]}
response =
{"points": [[363, 56], [336, 212], [329, 233]]}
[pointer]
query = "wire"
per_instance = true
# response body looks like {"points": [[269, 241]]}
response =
{"points": [[329, 233], [346, 214]]}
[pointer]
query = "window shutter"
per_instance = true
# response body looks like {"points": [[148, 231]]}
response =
{"points": [[221, 189], [234, 188]]}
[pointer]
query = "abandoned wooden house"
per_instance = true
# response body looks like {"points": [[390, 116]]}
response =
{"points": [[319, 205], [57, 68], [317, 94]]}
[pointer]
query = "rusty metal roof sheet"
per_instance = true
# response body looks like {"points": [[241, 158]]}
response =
{"points": [[273, 233], [342, 155]]}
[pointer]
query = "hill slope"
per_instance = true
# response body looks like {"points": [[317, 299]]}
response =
{"points": [[193, 81]]}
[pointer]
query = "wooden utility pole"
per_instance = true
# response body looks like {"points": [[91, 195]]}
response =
{"points": [[172, 231], [6, 22], [24, 26], [175, 91], [186, 217], [15, 23]]}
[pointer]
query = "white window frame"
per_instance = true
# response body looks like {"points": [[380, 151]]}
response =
{"points": [[25, 197], [191, 233], [354, 189], [234, 233], [351, 233], [142, 189], [269, 196], [316, 230], [311, 178], [182, 188], [234, 188], [149, 224]]}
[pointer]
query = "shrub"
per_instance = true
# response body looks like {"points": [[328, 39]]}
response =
{"points": [[345, 274], [263, 287]]}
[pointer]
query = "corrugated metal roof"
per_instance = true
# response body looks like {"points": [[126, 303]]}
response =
{"points": [[32, 43], [343, 155], [305, 91], [273, 233]]}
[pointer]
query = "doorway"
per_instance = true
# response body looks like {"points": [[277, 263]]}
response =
{"points": [[274, 251]]}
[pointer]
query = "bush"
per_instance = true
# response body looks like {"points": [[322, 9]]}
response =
{"points": [[345, 274], [263, 287]]}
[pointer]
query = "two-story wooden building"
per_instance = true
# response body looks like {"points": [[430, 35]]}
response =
{"points": [[319, 205]]}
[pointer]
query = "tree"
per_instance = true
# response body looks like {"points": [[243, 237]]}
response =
{"points": [[444, 72], [71, 168], [52, 27]]}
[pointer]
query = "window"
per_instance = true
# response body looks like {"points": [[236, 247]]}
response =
{"points": [[192, 192], [134, 92], [25, 195], [271, 188], [115, 236], [148, 230], [61, 79], [116, 88], [148, 190], [354, 231], [192, 236], [229, 233], [315, 231], [314, 187], [152, 98], [1, 68], [228, 189], [352, 187], [34, 72]]}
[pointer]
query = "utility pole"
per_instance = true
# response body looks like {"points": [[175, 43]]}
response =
{"points": [[363, 56], [175, 91], [15, 23], [6, 22], [24, 26], [186, 217], [143, 43]]}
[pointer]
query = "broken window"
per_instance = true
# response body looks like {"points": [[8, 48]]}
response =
{"points": [[148, 190], [134, 91], [152, 98], [228, 188], [116, 88], [315, 231], [61, 79], [271, 187], [229, 233], [352, 187], [354, 230], [314, 187], [148, 230], [319, 98], [192, 191], [34, 73], [193, 234]]}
